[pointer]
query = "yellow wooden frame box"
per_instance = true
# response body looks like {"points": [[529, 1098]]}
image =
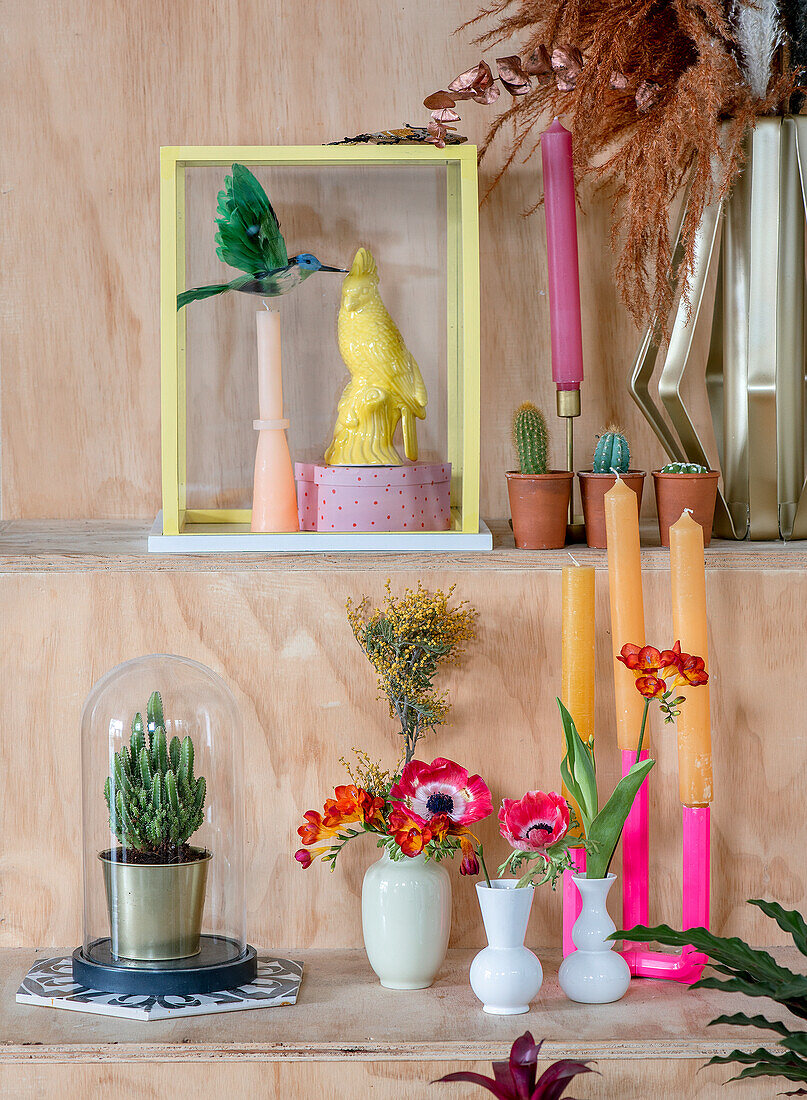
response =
{"points": [[177, 527]]}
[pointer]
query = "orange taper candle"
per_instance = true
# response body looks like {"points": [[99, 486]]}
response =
{"points": [[627, 606], [577, 633], [577, 677], [688, 575]]}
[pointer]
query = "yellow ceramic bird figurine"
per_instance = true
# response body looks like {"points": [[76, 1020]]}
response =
{"points": [[385, 385]]}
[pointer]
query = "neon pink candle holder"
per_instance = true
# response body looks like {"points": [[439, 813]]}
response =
{"points": [[687, 965]]}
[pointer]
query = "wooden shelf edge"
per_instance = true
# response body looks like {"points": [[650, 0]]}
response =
{"points": [[121, 545], [366, 1052]]}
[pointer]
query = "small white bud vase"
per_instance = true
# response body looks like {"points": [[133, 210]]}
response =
{"points": [[594, 974], [505, 975], [406, 920]]}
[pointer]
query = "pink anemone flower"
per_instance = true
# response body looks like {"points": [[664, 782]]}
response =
{"points": [[534, 822], [442, 787]]}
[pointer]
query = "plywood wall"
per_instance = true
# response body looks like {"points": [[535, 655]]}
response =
{"points": [[307, 695], [89, 91]]}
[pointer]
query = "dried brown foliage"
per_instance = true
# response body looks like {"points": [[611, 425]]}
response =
{"points": [[658, 101]]}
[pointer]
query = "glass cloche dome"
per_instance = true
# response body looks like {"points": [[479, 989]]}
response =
{"points": [[162, 773]]}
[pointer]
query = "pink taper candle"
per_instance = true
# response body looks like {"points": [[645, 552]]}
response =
{"points": [[561, 249]]}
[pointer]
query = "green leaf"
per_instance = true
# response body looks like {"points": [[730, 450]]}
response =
{"points": [[789, 920], [763, 1063], [577, 770], [607, 826], [740, 1019], [730, 951]]}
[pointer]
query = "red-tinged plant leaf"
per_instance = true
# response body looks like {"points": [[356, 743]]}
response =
{"points": [[552, 1082], [438, 100], [512, 75], [539, 64], [479, 1079], [446, 114], [523, 1059]]}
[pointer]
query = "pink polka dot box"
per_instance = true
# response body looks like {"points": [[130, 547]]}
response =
{"points": [[374, 498]]}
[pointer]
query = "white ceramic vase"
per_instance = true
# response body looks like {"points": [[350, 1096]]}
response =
{"points": [[594, 974], [505, 975], [406, 920]]}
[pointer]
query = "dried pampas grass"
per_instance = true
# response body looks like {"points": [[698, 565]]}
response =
{"points": [[664, 97]]}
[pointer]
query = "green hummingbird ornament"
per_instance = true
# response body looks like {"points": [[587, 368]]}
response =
{"points": [[249, 238]]}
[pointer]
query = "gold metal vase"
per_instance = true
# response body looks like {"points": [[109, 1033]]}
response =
{"points": [[755, 371], [155, 909]]}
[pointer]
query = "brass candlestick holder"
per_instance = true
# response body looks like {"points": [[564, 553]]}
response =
{"points": [[568, 407]]}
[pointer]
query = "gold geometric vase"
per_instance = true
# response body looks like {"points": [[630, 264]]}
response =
{"points": [[755, 368]]}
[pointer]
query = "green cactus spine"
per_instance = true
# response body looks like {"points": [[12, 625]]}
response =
{"points": [[530, 438], [611, 453], [683, 468], [154, 801]]}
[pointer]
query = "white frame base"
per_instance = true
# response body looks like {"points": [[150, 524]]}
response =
{"points": [[223, 538]]}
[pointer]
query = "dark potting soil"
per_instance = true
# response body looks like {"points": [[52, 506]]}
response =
{"points": [[185, 853]]}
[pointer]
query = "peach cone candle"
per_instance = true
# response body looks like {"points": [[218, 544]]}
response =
{"points": [[688, 574], [627, 605], [561, 248], [274, 498]]}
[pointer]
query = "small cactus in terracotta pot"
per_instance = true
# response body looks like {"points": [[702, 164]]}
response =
{"points": [[539, 498], [611, 459], [682, 485]]}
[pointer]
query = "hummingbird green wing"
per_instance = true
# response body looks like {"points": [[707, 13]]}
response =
{"points": [[248, 235]]}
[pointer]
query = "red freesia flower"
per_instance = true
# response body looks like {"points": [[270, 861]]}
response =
{"points": [[534, 822], [303, 857], [411, 835], [654, 667], [692, 672], [650, 686], [314, 828], [353, 803], [442, 788]]}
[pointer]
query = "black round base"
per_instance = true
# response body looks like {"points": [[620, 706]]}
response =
{"points": [[218, 965]]}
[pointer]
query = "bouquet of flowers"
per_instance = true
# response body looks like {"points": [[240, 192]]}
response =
{"points": [[427, 809]]}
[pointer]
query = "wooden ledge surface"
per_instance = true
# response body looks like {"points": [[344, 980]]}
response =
{"points": [[343, 1013], [82, 545]]}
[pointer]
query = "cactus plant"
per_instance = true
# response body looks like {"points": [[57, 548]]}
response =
{"points": [[530, 438], [612, 453], [155, 804], [683, 468]]}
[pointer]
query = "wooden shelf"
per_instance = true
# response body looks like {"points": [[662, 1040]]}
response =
{"points": [[343, 1013], [80, 545]]}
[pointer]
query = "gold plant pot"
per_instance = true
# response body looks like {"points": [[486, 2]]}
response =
{"points": [[155, 909]]}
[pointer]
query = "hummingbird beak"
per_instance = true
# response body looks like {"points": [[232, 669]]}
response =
{"points": [[342, 270]]}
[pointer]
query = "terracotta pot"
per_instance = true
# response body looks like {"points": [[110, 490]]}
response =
{"points": [[539, 505], [675, 492], [593, 488]]}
